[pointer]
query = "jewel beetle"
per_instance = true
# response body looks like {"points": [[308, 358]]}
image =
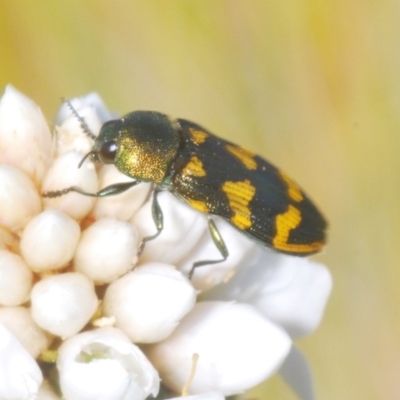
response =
{"points": [[210, 174]]}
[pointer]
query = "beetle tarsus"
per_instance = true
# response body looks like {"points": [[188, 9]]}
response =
{"points": [[219, 244]]}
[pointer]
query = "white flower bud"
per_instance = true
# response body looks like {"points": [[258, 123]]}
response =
{"points": [[104, 365], [107, 250], [70, 135], [291, 291], [19, 198], [183, 227], [63, 304], [238, 348], [65, 173], [25, 139], [295, 294], [124, 205], [19, 322], [20, 375], [149, 302], [15, 279], [49, 241]]}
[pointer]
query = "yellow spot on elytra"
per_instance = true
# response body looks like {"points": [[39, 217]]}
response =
{"points": [[199, 205], [198, 137], [194, 167], [294, 190], [286, 222], [239, 196], [246, 157]]}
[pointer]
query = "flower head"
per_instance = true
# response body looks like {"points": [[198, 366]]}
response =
{"points": [[69, 269]]}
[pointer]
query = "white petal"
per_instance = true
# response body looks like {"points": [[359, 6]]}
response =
{"points": [[25, 139], [70, 135], [124, 205], [183, 227], [20, 375], [296, 295], [19, 198], [104, 365], [15, 279], [63, 304], [65, 173], [291, 291], [297, 373], [107, 250], [149, 302], [49, 241], [237, 347], [19, 322]]}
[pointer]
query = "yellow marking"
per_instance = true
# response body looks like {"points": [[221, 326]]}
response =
{"points": [[285, 222], [246, 157], [294, 190], [239, 196], [199, 205], [198, 137], [194, 167]]}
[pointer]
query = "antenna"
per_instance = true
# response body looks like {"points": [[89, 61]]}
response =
{"points": [[82, 122], [90, 154]]}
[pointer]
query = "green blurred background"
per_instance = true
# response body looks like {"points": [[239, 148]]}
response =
{"points": [[312, 85]]}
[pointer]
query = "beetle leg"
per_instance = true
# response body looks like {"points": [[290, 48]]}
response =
{"points": [[158, 219], [219, 244], [111, 190]]}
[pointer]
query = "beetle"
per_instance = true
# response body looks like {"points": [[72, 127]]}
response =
{"points": [[212, 175]]}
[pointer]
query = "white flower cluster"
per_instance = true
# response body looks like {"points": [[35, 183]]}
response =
{"points": [[71, 284]]}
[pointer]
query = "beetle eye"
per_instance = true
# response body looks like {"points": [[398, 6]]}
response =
{"points": [[108, 152]]}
